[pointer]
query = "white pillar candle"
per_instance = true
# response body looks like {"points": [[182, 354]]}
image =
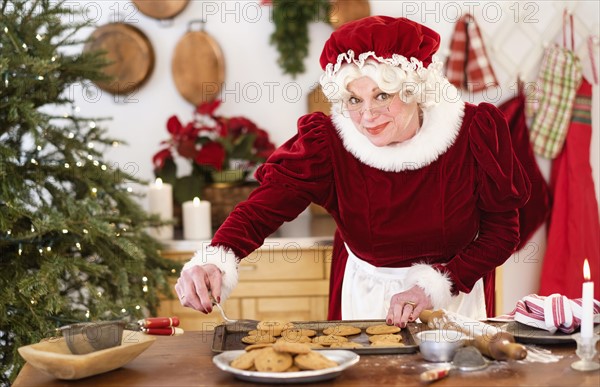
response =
{"points": [[587, 305], [160, 196], [196, 220]]}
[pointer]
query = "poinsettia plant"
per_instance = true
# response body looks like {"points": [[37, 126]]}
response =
{"points": [[210, 143]]}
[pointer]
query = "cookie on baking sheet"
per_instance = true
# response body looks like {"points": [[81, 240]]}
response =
{"points": [[386, 344], [293, 348], [382, 329], [295, 332], [269, 360], [315, 345], [245, 361], [341, 330], [347, 344], [297, 339], [385, 338], [252, 347], [254, 339], [313, 361], [274, 327], [329, 339]]}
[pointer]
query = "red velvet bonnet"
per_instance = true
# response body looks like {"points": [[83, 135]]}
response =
{"points": [[384, 36]]}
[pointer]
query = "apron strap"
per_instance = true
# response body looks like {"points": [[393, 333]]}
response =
{"points": [[570, 16], [592, 41]]}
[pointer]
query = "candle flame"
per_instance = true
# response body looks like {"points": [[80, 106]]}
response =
{"points": [[158, 182], [196, 201], [586, 270]]}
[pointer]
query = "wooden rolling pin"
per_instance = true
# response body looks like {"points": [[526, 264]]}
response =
{"points": [[490, 340]]}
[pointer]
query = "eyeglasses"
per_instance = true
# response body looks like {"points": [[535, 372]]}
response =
{"points": [[378, 106]]}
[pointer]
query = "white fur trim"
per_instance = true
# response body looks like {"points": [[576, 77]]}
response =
{"points": [[441, 125], [396, 60], [221, 257], [436, 285]]}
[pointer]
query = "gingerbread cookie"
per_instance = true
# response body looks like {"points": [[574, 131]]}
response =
{"points": [[293, 348], [254, 339], [244, 361], [257, 346], [385, 338], [341, 330], [313, 361], [294, 332], [274, 327], [329, 339], [382, 329], [298, 339], [269, 360]]}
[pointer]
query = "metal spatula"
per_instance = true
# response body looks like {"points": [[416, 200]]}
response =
{"points": [[241, 324], [466, 359]]}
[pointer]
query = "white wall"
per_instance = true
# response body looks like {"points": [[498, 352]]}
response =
{"points": [[255, 87]]}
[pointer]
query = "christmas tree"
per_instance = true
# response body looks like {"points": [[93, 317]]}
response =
{"points": [[73, 245]]}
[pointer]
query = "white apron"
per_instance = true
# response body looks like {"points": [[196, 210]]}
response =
{"points": [[367, 291]]}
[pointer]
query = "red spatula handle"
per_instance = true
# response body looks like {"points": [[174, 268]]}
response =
{"points": [[159, 322]]}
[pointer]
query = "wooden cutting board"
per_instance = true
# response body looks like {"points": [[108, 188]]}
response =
{"points": [[198, 67], [161, 9], [130, 53], [343, 11]]}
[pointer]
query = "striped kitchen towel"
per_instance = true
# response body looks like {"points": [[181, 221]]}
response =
{"points": [[552, 313], [468, 66], [551, 104]]}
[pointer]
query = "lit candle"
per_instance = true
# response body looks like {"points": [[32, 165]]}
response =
{"points": [[196, 220], [160, 196], [587, 305]]}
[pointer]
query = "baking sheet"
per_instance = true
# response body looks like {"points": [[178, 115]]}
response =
{"points": [[229, 337]]}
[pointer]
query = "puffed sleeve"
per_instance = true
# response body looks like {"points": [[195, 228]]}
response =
{"points": [[297, 173], [502, 181], [502, 188]]}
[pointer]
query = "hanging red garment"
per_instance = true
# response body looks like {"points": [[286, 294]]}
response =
{"points": [[537, 209], [574, 232]]}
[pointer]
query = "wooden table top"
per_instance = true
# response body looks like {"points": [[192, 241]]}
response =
{"points": [[186, 360]]}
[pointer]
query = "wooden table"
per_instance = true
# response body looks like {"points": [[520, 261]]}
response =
{"points": [[187, 361]]}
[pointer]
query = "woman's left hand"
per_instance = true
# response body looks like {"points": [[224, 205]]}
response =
{"points": [[407, 306]]}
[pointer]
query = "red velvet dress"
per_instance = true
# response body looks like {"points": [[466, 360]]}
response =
{"points": [[458, 213]]}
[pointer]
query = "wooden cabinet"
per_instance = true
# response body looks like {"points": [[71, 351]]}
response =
{"points": [[285, 283]]}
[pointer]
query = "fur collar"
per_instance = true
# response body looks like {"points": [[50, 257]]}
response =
{"points": [[441, 125]]}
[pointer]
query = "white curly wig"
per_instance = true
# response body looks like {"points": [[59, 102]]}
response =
{"points": [[396, 75]]}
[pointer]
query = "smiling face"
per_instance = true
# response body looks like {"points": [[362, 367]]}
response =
{"points": [[381, 117]]}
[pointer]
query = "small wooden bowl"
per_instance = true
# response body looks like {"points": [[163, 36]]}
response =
{"points": [[53, 357]]}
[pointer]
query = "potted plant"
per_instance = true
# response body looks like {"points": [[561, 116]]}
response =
{"points": [[218, 149]]}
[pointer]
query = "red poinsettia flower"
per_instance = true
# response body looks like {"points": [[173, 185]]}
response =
{"points": [[160, 157], [240, 125], [212, 142], [213, 154], [208, 108], [180, 132]]}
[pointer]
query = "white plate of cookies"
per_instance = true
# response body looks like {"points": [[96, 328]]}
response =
{"points": [[284, 363]]}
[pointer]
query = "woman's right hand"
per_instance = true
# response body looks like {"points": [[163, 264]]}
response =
{"points": [[196, 283]]}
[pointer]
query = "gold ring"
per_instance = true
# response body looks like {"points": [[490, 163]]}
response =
{"points": [[411, 303]]}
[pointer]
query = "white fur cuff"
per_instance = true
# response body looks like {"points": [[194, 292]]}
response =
{"points": [[222, 258], [436, 285]]}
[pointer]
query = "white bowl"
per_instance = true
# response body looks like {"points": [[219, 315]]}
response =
{"points": [[439, 345]]}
